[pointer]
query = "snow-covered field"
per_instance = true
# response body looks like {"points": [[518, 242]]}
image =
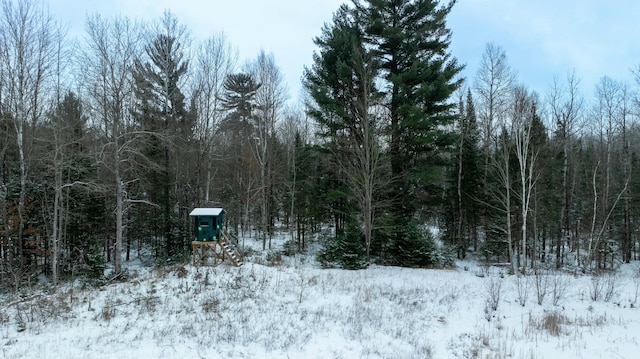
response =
{"points": [[294, 309]]}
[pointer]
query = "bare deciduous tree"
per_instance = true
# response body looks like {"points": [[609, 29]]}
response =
{"points": [[566, 109], [501, 169], [293, 132], [493, 84], [610, 116], [109, 53], [524, 113], [28, 55], [364, 155], [214, 61], [270, 99]]}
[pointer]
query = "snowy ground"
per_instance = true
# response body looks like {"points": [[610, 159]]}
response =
{"points": [[296, 310]]}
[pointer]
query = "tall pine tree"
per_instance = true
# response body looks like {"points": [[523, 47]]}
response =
{"points": [[162, 113], [342, 85], [236, 134], [411, 41]]}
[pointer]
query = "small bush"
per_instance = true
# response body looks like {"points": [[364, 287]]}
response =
{"points": [[344, 251], [245, 252], [603, 287], [559, 287], [523, 283], [417, 248], [290, 248], [95, 266], [108, 312], [494, 293], [274, 258], [542, 285], [552, 323]]}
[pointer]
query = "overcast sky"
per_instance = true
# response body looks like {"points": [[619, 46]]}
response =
{"points": [[542, 38]]}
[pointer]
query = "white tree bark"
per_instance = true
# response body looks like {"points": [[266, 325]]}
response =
{"points": [[27, 53], [270, 99], [108, 56], [524, 112], [215, 60]]}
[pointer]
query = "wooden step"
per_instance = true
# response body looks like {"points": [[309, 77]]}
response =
{"points": [[231, 252]]}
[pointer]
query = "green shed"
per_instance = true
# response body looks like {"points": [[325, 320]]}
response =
{"points": [[207, 223]]}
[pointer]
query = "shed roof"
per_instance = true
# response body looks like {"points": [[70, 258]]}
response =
{"points": [[206, 212]]}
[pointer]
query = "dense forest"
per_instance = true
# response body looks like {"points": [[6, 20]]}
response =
{"points": [[107, 142]]}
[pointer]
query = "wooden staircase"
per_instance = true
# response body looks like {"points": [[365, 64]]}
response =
{"points": [[230, 250]]}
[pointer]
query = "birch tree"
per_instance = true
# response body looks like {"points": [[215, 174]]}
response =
{"points": [[111, 46], [28, 55], [610, 115], [605, 114], [270, 99], [215, 60], [493, 85], [524, 115], [625, 124]]}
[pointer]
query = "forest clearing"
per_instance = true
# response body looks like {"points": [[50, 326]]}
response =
{"points": [[287, 307]]}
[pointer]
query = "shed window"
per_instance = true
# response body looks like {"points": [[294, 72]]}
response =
{"points": [[204, 224]]}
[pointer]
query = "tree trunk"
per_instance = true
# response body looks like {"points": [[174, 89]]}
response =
{"points": [[117, 248]]}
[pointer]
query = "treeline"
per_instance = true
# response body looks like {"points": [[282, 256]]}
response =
{"points": [[544, 181], [533, 180], [107, 143]]}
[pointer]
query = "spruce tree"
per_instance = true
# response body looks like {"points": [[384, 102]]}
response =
{"points": [[471, 186]]}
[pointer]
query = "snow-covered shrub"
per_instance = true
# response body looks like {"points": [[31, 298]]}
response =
{"points": [[559, 286], [495, 247], [603, 287], [542, 285], [522, 283], [417, 248], [494, 293], [344, 251]]}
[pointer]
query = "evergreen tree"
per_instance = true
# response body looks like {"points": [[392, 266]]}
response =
{"points": [[238, 164], [313, 183], [78, 210], [161, 112], [341, 83], [411, 40], [345, 250]]}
